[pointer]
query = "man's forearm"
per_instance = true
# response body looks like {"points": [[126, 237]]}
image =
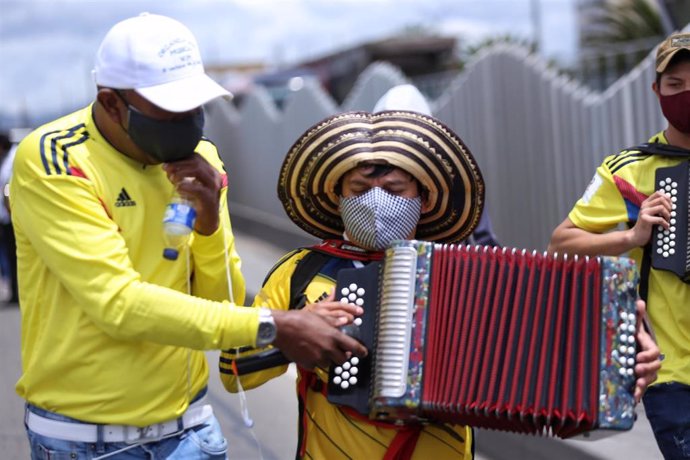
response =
{"points": [[574, 240]]}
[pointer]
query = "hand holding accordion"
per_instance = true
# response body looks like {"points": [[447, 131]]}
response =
{"points": [[488, 337], [492, 338]]}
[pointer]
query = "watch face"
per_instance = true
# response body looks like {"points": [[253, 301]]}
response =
{"points": [[267, 332]]}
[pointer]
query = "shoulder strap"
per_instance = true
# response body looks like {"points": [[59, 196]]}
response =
{"points": [[305, 271], [645, 267], [657, 148]]}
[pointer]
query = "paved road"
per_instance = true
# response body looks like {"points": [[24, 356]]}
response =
{"points": [[273, 410]]}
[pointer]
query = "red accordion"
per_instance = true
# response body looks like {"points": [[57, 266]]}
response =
{"points": [[492, 338]]}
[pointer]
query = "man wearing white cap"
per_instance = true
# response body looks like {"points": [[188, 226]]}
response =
{"points": [[113, 333]]}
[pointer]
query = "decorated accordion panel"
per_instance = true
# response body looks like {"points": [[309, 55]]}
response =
{"points": [[670, 246], [496, 338]]}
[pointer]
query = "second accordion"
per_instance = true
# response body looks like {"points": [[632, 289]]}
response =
{"points": [[492, 338]]}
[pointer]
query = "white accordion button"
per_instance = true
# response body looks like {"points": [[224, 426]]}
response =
{"points": [[621, 360], [344, 385], [630, 371], [631, 339], [631, 361], [346, 365], [338, 370], [352, 296], [631, 350], [353, 380], [344, 291], [345, 375], [358, 321], [344, 300], [337, 380], [621, 371], [353, 287], [624, 338], [359, 302], [354, 371], [622, 348], [354, 360], [360, 292]]}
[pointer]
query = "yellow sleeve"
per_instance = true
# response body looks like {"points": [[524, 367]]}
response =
{"points": [[602, 206], [274, 294], [209, 252], [83, 249]]}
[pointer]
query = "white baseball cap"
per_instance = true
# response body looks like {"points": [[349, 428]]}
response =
{"points": [[403, 97], [159, 58]]}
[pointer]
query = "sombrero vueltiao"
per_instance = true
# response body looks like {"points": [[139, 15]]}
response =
{"points": [[416, 143]]}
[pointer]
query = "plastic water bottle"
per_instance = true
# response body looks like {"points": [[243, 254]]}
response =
{"points": [[178, 223]]}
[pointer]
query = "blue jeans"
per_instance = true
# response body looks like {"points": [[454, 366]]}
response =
{"points": [[668, 409], [203, 442]]}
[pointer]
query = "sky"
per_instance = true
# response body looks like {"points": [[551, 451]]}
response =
{"points": [[47, 47]]}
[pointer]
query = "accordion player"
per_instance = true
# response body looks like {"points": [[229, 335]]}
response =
{"points": [[492, 338]]}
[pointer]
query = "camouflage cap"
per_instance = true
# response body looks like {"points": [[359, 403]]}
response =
{"points": [[669, 48]]}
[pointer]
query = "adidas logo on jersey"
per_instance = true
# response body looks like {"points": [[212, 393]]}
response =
{"points": [[123, 199]]}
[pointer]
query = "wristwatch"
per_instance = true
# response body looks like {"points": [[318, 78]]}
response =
{"points": [[266, 333]]}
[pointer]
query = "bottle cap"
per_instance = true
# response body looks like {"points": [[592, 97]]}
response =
{"points": [[170, 253]]}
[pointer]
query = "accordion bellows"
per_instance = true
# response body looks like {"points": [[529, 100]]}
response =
{"points": [[493, 338]]}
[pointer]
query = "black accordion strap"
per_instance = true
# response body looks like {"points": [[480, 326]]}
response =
{"points": [[645, 267], [657, 148], [305, 271]]}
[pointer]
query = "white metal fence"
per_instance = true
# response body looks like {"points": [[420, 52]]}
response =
{"points": [[537, 136]]}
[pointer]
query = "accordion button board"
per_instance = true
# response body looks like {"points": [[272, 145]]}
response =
{"points": [[670, 246], [348, 382]]}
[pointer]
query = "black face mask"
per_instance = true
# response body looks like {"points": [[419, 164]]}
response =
{"points": [[166, 141]]}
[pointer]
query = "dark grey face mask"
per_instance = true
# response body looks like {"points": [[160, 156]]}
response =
{"points": [[166, 141]]}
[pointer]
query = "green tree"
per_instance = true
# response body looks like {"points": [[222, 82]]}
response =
{"points": [[617, 35]]}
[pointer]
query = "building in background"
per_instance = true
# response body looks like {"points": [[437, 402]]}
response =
{"points": [[429, 61]]}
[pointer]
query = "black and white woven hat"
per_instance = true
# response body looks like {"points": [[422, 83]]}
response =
{"points": [[414, 142]]}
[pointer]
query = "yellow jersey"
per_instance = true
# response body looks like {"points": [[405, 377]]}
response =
{"points": [[109, 333]]}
